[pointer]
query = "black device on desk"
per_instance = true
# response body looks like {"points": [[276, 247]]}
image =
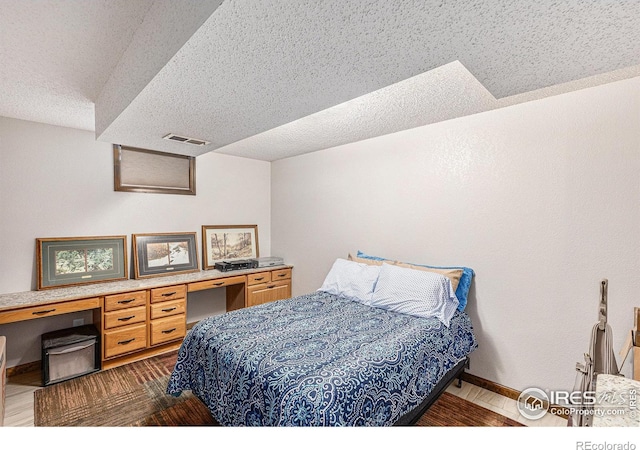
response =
{"points": [[226, 266]]}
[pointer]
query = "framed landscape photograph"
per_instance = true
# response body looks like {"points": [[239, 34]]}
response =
{"points": [[71, 261], [164, 254], [228, 243]]}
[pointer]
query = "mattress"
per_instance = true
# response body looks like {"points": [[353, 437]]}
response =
{"points": [[317, 360]]}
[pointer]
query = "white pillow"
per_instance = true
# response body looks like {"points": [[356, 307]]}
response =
{"points": [[351, 280], [415, 292]]}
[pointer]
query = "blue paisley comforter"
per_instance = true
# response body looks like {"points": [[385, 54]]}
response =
{"points": [[317, 360]]}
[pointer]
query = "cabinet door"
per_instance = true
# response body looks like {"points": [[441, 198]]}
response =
{"points": [[269, 292]]}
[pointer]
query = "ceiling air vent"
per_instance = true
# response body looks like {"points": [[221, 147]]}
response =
{"points": [[185, 140]]}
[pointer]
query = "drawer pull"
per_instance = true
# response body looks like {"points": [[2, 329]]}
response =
{"points": [[169, 309], [282, 275], [169, 331], [169, 294], [271, 287], [124, 319], [46, 311], [128, 341], [220, 283], [259, 279], [124, 302]]}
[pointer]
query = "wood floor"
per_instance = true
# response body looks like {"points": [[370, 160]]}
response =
{"points": [[502, 405], [20, 388]]}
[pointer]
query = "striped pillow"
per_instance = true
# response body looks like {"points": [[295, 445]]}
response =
{"points": [[414, 292], [453, 274], [462, 291]]}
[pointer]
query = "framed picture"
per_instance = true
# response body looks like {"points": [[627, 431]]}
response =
{"points": [[141, 170], [228, 243], [71, 261], [164, 254]]}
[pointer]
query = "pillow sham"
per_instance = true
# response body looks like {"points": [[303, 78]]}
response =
{"points": [[453, 274], [414, 292], [351, 280], [462, 290]]}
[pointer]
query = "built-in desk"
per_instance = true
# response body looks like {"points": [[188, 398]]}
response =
{"points": [[141, 318]]}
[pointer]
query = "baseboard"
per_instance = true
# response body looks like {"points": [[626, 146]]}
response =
{"points": [[499, 389], [491, 386], [24, 368]]}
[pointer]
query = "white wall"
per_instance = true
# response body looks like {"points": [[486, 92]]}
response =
{"points": [[540, 199], [58, 182]]}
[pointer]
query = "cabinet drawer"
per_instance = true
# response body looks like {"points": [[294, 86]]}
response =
{"points": [[257, 278], [165, 309], [168, 293], [52, 309], [269, 292], [125, 340], [216, 282], [281, 274], [125, 317], [126, 300], [168, 329]]}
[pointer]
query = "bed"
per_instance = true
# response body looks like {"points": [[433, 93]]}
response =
{"points": [[321, 359]]}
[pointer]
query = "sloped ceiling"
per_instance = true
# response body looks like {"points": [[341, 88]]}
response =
{"points": [[269, 79]]}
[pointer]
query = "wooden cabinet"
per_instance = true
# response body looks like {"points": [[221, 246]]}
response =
{"points": [[124, 323], [139, 320], [268, 286], [151, 318], [168, 314]]}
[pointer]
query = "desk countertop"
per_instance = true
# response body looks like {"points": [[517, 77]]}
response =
{"points": [[31, 298], [618, 402]]}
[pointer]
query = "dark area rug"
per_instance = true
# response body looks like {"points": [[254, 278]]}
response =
{"points": [[129, 395], [134, 395]]}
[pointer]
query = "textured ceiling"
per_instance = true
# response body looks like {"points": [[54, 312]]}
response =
{"points": [[268, 79]]}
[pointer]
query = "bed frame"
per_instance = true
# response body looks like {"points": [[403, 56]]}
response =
{"points": [[412, 416]]}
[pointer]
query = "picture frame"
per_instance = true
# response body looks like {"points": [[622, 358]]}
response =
{"points": [[164, 254], [151, 171], [72, 261], [228, 243]]}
